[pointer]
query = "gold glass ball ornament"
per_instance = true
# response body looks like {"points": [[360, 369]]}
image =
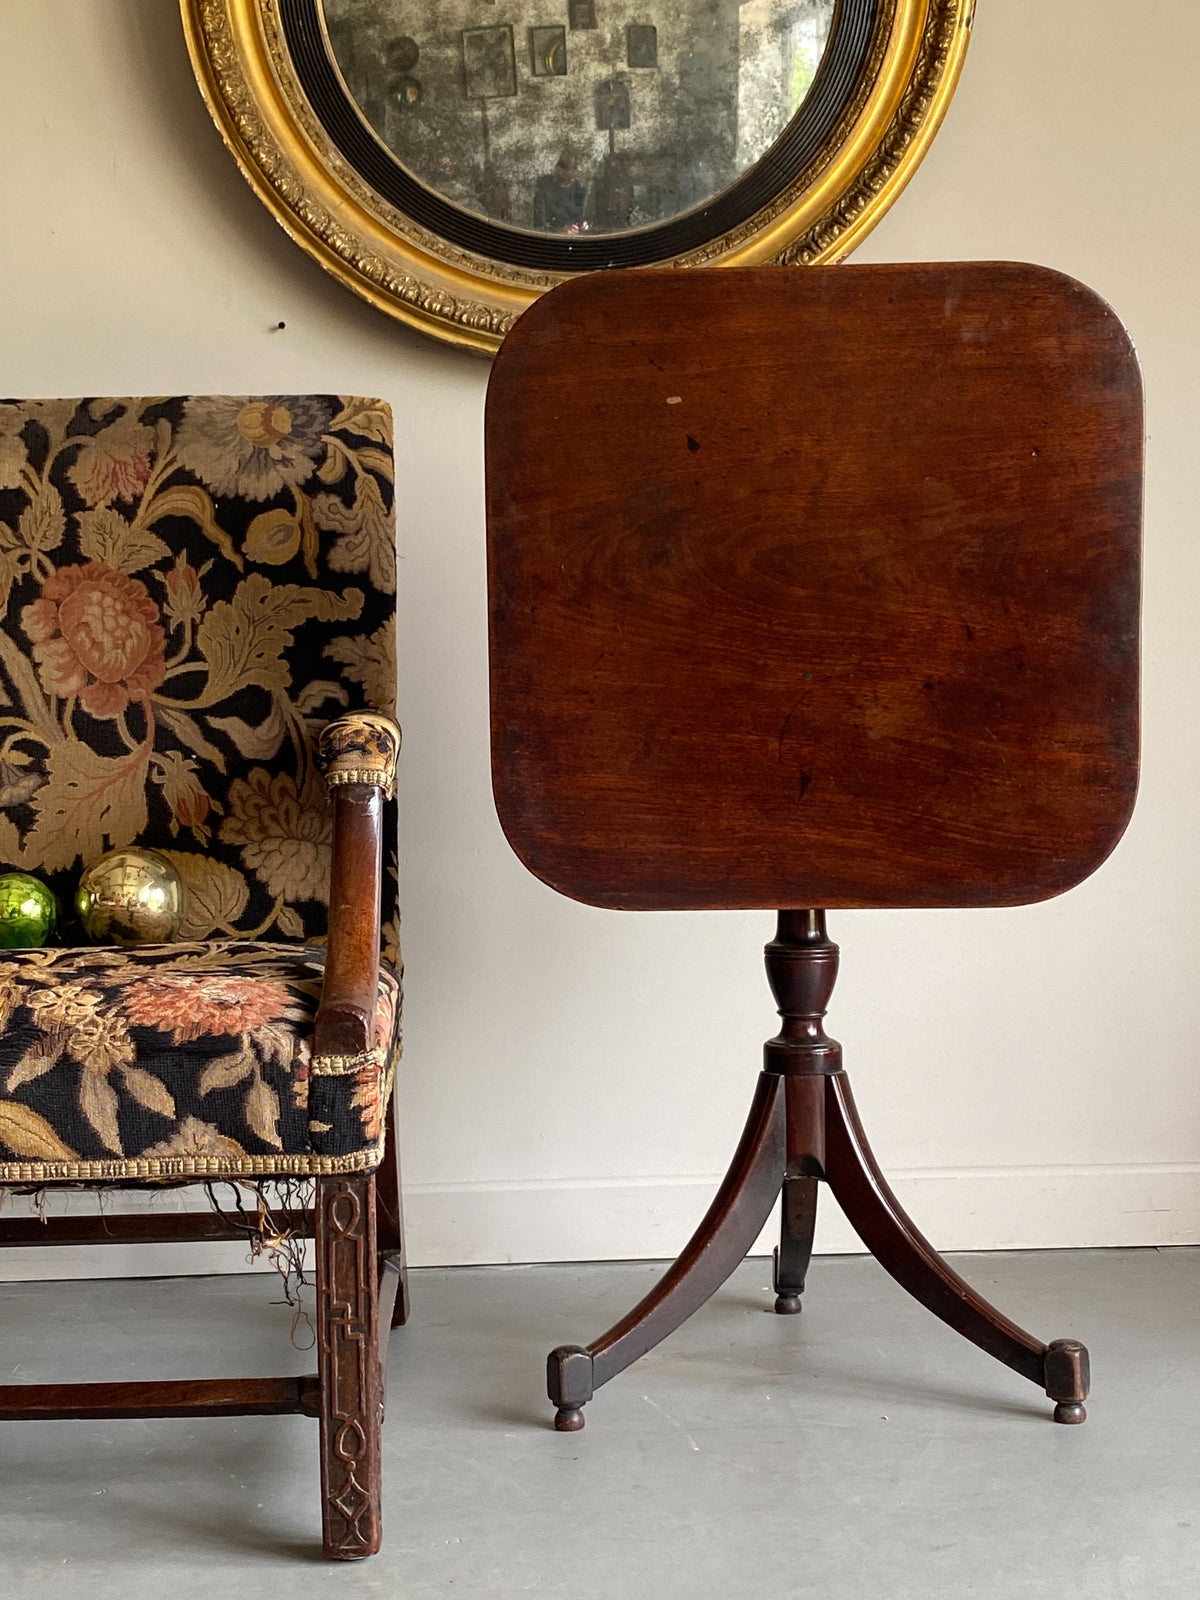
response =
{"points": [[130, 896], [28, 911]]}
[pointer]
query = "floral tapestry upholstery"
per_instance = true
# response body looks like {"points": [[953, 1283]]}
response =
{"points": [[174, 1060], [192, 589]]}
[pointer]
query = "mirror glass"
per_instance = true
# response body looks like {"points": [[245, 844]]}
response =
{"points": [[578, 116]]}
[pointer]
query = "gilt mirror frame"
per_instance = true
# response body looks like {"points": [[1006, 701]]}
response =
{"points": [[269, 75]]}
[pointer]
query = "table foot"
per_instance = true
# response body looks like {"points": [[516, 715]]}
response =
{"points": [[1068, 1379], [732, 1223], [1070, 1411], [793, 1254]]}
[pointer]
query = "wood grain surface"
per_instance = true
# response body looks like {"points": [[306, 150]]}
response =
{"points": [[815, 588]]}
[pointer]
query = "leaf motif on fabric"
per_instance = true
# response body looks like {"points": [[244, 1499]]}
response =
{"points": [[224, 1071], [34, 1064], [243, 639], [42, 523], [377, 460], [149, 1091], [19, 780], [101, 408], [333, 468], [367, 1099], [274, 1045], [288, 921], [366, 532], [163, 432], [29, 1136], [371, 661], [262, 1113], [372, 419], [54, 415], [12, 995], [13, 455], [98, 1103], [319, 693], [105, 535], [10, 567], [29, 691], [88, 804], [390, 939], [194, 1138], [187, 731], [189, 500], [310, 534], [260, 742], [12, 851], [216, 895]]}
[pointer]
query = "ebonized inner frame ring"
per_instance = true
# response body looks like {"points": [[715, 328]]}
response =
{"points": [[846, 58]]}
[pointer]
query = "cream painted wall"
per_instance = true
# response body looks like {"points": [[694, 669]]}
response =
{"points": [[575, 1079]]}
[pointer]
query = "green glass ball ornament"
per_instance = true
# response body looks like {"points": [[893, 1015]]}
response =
{"points": [[130, 896], [28, 911]]}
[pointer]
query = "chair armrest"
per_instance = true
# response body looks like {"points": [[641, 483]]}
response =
{"points": [[357, 755]]}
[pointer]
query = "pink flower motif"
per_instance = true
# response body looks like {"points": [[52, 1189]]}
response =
{"points": [[185, 599], [96, 634], [189, 1005], [185, 794], [191, 804], [115, 464]]}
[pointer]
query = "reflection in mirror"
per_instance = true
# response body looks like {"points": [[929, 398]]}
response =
{"points": [[578, 116]]}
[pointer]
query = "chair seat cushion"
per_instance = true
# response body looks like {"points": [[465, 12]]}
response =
{"points": [[182, 1060]]}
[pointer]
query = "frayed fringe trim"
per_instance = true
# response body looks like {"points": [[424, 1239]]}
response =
{"points": [[263, 1226]]}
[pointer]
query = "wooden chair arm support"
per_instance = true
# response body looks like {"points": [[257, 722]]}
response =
{"points": [[344, 1023]]}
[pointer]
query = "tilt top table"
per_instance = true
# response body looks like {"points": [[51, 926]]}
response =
{"points": [[814, 589]]}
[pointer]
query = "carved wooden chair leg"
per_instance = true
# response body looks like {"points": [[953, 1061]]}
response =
{"points": [[733, 1222], [391, 1218], [348, 1368], [1061, 1368], [794, 1251]]}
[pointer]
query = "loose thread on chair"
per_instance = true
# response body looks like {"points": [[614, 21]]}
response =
{"points": [[267, 1234]]}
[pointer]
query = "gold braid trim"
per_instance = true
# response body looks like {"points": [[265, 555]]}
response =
{"points": [[137, 1168], [345, 1066]]}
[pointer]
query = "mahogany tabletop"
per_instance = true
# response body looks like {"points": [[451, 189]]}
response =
{"points": [[815, 587]]}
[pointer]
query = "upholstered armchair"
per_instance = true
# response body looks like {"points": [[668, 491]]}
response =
{"points": [[198, 656]]}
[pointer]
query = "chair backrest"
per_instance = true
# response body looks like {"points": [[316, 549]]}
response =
{"points": [[815, 588], [191, 587]]}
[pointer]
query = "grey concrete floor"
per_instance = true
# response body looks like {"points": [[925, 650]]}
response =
{"points": [[859, 1451]]}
